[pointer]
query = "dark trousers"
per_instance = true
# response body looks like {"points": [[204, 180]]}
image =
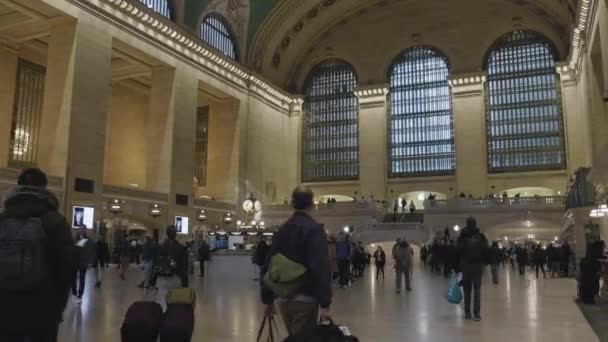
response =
{"points": [[494, 269], [471, 281], [78, 283], [202, 267], [40, 334], [522, 269], [343, 269], [542, 268], [379, 269]]}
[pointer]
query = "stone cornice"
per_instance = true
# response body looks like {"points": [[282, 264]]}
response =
{"points": [[137, 18], [466, 85], [371, 96], [580, 35]]}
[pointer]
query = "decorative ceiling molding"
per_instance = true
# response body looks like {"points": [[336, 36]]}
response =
{"points": [[580, 35], [139, 19], [268, 52]]}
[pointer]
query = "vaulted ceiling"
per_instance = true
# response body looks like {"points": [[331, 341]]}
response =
{"points": [[285, 38]]}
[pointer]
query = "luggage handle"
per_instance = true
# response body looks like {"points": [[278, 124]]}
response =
{"points": [[271, 324]]}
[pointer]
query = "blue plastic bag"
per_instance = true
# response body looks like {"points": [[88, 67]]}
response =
{"points": [[454, 295]]}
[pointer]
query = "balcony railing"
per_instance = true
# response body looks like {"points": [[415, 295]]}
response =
{"points": [[367, 207], [537, 202]]}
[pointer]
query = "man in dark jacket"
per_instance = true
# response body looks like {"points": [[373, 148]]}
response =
{"points": [[102, 259], [304, 241], [35, 315], [204, 254], [172, 266], [473, 250], [84, 254]]}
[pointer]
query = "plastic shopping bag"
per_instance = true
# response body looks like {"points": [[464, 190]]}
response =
{"points": [[454, 295]]}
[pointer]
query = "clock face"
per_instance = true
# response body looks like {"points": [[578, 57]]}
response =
{"points": [[258, 205], [247, 205]]}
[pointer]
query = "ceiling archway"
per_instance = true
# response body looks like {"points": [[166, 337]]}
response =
{"points": [[369, 33]]}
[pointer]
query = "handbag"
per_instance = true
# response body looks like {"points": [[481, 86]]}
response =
{"points": [[454, 294], [270, 324]]}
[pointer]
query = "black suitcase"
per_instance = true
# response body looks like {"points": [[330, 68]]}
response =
{"points": [[324, 333], [142, 322], [178, 324]]}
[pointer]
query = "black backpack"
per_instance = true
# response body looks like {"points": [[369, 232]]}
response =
{"points": [[168, 260], [476, 249], [23, 254]]}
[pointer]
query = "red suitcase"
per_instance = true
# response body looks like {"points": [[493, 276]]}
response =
{"points": [[142, 322], [178, 324]]}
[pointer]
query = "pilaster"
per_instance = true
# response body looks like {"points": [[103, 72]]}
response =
{"points": [[470, 133], [373, 139], [8, 65]]}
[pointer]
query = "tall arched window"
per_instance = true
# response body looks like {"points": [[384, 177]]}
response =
{"points": [[215, 32], [330, 133], [162, 7], [421, 134], [524, 110]]}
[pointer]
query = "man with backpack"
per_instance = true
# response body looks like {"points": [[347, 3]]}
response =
{"points": [[84, 253], [33, 290], [473, 249], [298, 270], [171, 267]]}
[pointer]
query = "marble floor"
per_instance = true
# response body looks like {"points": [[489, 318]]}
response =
{"points": [[228, 308]]}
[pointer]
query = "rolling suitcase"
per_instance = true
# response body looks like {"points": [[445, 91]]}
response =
{"points": [[142, 322], [178, 324]]}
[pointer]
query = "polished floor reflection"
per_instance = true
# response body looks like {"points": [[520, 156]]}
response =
{"points": [[228, 309]]}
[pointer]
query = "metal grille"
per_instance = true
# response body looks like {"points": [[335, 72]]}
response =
{"points": [[524, 111], [330, 130], [202, 145], [421, 133], [27, 111], [215, 32], [161, 7]]}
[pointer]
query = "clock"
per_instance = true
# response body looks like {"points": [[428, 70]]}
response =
{"points": [[248, 205]]}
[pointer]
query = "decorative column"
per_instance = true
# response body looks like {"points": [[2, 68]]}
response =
{"points": [[75, 105], [8, 65], [373, 140], [172, 138], [470, 133], [575, 112]]}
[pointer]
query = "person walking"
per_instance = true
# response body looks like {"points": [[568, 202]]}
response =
{"points": [[33, 302], [379, 261], [102, 259], [148, 257], [303, 241], [553, 258], [539, 258], [259, 256], [473, 250], [84, 253], [124, 256], [171, 267], [333, 261], [495, 259], [522, 260], [343, 255], [402, 255], [566, 254], [450, 258], [204, 254], [424, 253]]}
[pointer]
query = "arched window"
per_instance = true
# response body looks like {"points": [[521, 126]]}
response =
{"points": [[215, 32], [162, 7], [421, 134], [330, 133], [524, 111]]}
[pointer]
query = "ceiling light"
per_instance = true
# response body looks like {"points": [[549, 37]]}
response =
{"points": [[456, 228]]}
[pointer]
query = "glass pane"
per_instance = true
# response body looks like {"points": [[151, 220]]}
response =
{"points": [[159, 6], [420, 124], [214, 32], [524, 114], [331, 134], [27, 112]]}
